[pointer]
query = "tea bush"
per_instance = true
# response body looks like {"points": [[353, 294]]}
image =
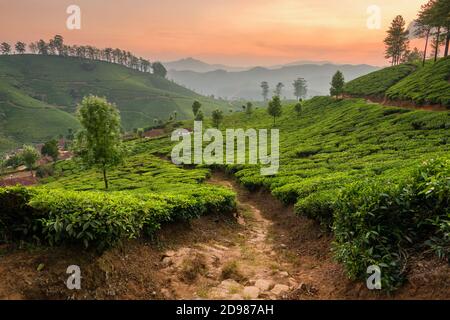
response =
{"points": [[375, 222], [100, 219]]}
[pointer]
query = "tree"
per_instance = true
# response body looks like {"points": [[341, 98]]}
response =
{"points": [[298, 108], [413, 56], [423, 26], [196, 107], [29, 157], [217, 118], [20, 47], [249, 108], [274, 108], [265, 90], [396, 41], [5, 48], [337, 84], [33, 47], [99, 143], [199, 116], [278, 89], [42, 47], [300, 88], [58, 43], [159, 69], [50, 149]]}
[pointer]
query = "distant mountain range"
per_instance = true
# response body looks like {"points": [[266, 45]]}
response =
{"points": [[191, 64], [227, 82]]}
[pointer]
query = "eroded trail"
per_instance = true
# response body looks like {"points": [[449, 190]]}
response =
{"points": [[264, 251], [260, 261]]}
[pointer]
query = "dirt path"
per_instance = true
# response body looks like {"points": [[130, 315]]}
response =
{"points": [[246, 267], [264, 251], [275, 254]]}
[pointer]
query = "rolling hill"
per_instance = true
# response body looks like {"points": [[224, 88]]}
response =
{"points": [[414, 84], [39, 95]]}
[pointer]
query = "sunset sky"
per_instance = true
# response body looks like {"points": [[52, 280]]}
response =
{"points": [[233, 32]]}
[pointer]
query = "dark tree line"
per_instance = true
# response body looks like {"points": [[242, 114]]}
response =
{"points": [[56, 46]]}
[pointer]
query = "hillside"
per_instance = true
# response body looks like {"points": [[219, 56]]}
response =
{"points": [[415, 84], [39, 94], [370, 173], [375, 176], [246, 84]]}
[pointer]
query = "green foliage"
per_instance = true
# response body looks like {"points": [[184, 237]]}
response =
{"points": [[375, 221], [159, 70], [39, 95], [274, 108], [337, 84], [217, 118], [377, 83], [196, 107], [396, 40], [99, 143], [428, 85], [199, 116], [300, 88], [50, 148], [29, 156]]}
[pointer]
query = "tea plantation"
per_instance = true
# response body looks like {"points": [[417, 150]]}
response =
{"points": [[145, 193], [377, 176], [427, 85]]}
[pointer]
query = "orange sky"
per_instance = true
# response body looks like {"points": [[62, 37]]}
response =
{"points": [[234, 32]]}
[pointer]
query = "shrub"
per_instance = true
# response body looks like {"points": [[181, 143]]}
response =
{"points": [[374, 222], [17, 218]]}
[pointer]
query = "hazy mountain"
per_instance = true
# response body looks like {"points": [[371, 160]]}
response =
{"points": [[246, 84], [191, 64]]}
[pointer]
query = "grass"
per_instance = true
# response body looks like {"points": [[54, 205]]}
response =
{"points": [[377, 83], [40, 93]]}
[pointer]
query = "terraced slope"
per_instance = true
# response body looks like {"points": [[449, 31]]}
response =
{"points": [[39, 94]]}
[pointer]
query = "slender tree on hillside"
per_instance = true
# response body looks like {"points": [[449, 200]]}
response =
{"points": [[396, 41], [337, 84], [42, 47], [196, 107], [29, 157], [265, 90], [279, 89], [300, 88], [423, 26], [5, 48], [99, 144], [20, 47], [275, 108], [217, 118]]}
